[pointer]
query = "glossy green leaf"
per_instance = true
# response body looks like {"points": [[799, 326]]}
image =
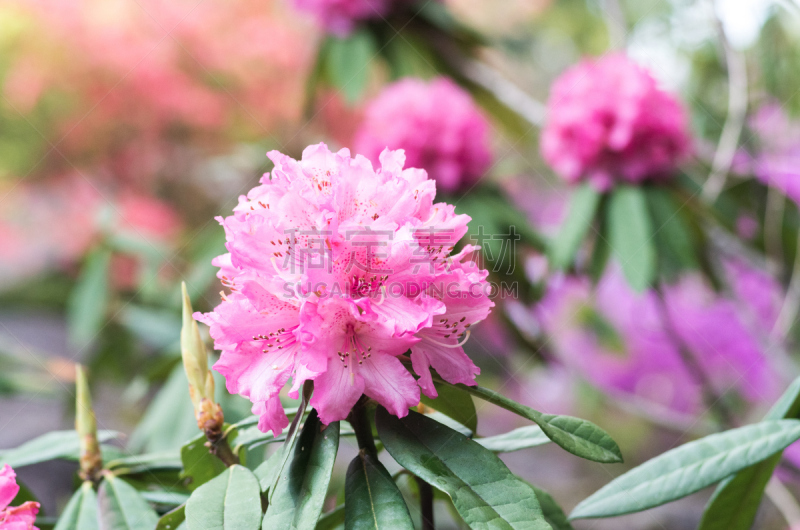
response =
{"points": [[582, 209], [122, 508], [483, 490], [81, 511], [348, 63], [735, 502], [332, 519], [276, 467], [553, 513], [522, 438], [231, 501], [580, 437], [300, 493], [172, 519], [689, 468], [371, 498], [50, 446], [630, 233], [199, 465], [87, 304], [455, 403]]}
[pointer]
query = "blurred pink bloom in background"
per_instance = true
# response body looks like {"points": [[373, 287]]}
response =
{"points": [[17, 517], [609, 122], [340, 16], [437, 124], [145, 78], [35, 236], [776, 161], [621, 341]]}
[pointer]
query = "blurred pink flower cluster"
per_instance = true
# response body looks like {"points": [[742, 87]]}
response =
{"points": [[35, 237], [145, 76], [335, 269], [436, 123], [608, 122], [624, 342], [776, 158], [19, 517], [340, 16]]}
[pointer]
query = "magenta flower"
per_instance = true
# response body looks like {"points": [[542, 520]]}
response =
{"points": [[19, 517], [609, 122], [620, 341], [340, 16], [336, 269], [436, 123], [776, 161]]}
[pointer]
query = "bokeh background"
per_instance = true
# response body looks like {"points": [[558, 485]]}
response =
{"points": [[126, 126]]}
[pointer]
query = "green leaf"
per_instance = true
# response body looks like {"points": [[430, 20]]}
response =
{"points": [[81, 511], [582, 209], [735, 502], [122, 508], [371, 498], [199, 465], [630, 234], [676, 249], [483, 490], [300, 494], [147, 462], [86, 307], [522, 438], [580, 437], [169, 421], [348, 63], [553, 513], [332, 519], [173, 519], [689, 468], [165, 498], [276, 468], [455, 403], [50, 446], [231, 501]]}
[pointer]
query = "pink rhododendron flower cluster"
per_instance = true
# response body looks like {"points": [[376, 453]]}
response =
{"points": [[436, 123], [609, 122], [340, 16], [335, 269], [19, 517], [620, 341]]}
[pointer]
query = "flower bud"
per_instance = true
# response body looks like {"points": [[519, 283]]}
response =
{"points": [[195, 362], [91, 461]]}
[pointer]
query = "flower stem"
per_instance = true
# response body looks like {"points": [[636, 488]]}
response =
{"points": [[362, 427], [425, 503]]}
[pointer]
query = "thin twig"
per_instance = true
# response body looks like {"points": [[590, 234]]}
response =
{"points": [[425, 503], [791, 304], [615, 22], [523, 104], [734, 121], [773, 223], [712, 399]]}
